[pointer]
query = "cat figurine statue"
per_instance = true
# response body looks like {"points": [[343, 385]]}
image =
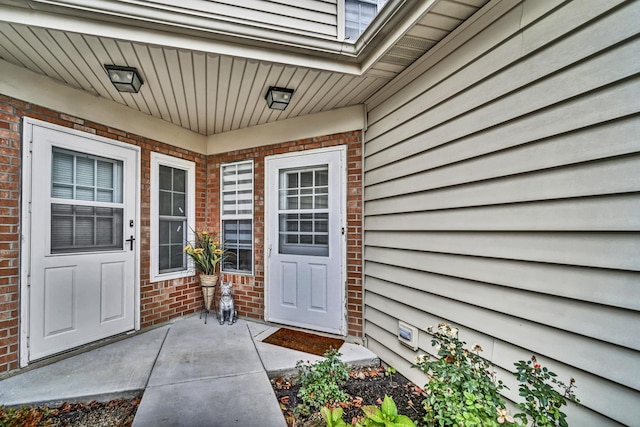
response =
{"points": [[227, 311]]}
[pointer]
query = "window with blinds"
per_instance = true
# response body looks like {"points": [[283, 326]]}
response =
{"points": [[86, 202], [358, 15], [237, 216]]}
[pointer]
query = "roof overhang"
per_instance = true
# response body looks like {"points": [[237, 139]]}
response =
{"points": [[183, 28]]}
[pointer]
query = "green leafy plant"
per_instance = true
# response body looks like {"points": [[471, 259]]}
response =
{"points": [[385, 416], [542, 401], [206, 252], [320, 382], [332, 416], [462, 388], [389, 372]]}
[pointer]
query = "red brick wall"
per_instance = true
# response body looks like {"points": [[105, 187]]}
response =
{"points": [[249, 290], [9, 235], [159, 301], [165, 300]]}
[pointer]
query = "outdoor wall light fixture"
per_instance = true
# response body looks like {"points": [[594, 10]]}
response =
{"points": [[278, 97], [125, 79]]}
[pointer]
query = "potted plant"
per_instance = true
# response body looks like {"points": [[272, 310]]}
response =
{"points": [[206, 253]]}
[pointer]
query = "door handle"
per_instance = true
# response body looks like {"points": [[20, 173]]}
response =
{"points": [[130, 240]]}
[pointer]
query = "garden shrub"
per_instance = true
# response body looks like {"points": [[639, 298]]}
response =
{"points": [[320, 382]]}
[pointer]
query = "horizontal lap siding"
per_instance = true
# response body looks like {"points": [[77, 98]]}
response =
{"points": [[502, 192], [314, 17]]}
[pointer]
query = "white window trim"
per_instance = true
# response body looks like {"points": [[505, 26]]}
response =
{"points": [[241, 216], [157, 160]]}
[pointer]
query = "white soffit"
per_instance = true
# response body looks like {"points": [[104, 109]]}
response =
{"points": [[212, 83], [26, 85]]}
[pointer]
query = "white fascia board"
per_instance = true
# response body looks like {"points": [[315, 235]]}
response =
{"points": [[25, 85], [176, 15], [392, 38], [143, 35], [320, 124]]}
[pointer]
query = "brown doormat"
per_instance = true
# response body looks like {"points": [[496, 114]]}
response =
{"points": [[302, 341]]}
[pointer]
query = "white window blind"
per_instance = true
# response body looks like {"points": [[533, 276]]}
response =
{"points": [[237, 216], [237, 189]]}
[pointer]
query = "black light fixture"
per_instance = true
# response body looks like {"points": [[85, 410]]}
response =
{"points": [[125, 79], [278, 97]]}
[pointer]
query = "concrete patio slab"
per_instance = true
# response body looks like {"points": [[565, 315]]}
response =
{"points": [[116, 370], [245, 400], [209, 375], [192, 374], [194, 350]]}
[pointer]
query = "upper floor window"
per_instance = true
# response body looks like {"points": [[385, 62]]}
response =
{"points": [[358, 15], [172, 215], [237, 216]]}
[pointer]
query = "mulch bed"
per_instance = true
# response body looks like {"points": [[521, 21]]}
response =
{"points": [[116, 413], [366, 386]]}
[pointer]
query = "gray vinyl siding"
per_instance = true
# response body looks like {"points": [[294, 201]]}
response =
{"points": [[310, 17], [502, 195]]}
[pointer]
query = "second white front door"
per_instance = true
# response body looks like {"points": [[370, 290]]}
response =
{"points": [[306, 244], [82, 240]]}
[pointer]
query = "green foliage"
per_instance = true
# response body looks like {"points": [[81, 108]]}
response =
{"points": [[23, 417], [320, 382], [389, 372], [542, 401], [332, 416], [462, 388], [385, 416]]}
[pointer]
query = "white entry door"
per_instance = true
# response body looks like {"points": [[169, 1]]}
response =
{"points": [[306, 245], [82, 245]]}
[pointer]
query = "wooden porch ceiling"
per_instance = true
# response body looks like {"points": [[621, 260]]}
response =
{"points": [[209, 83]]}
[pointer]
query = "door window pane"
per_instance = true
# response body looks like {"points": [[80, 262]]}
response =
{"points": [[87, 178], [304, 189], [85, 228], [79, 176], [304, 234], [304, 211]]}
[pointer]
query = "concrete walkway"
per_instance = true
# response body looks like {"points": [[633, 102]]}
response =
{"points": [[192, 374]]}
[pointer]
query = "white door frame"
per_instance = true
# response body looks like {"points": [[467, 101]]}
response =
{"points": [[269, 218], [25, 223]]}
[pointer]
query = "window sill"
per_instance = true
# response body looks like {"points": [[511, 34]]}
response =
{"points": [[172, 276]]}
